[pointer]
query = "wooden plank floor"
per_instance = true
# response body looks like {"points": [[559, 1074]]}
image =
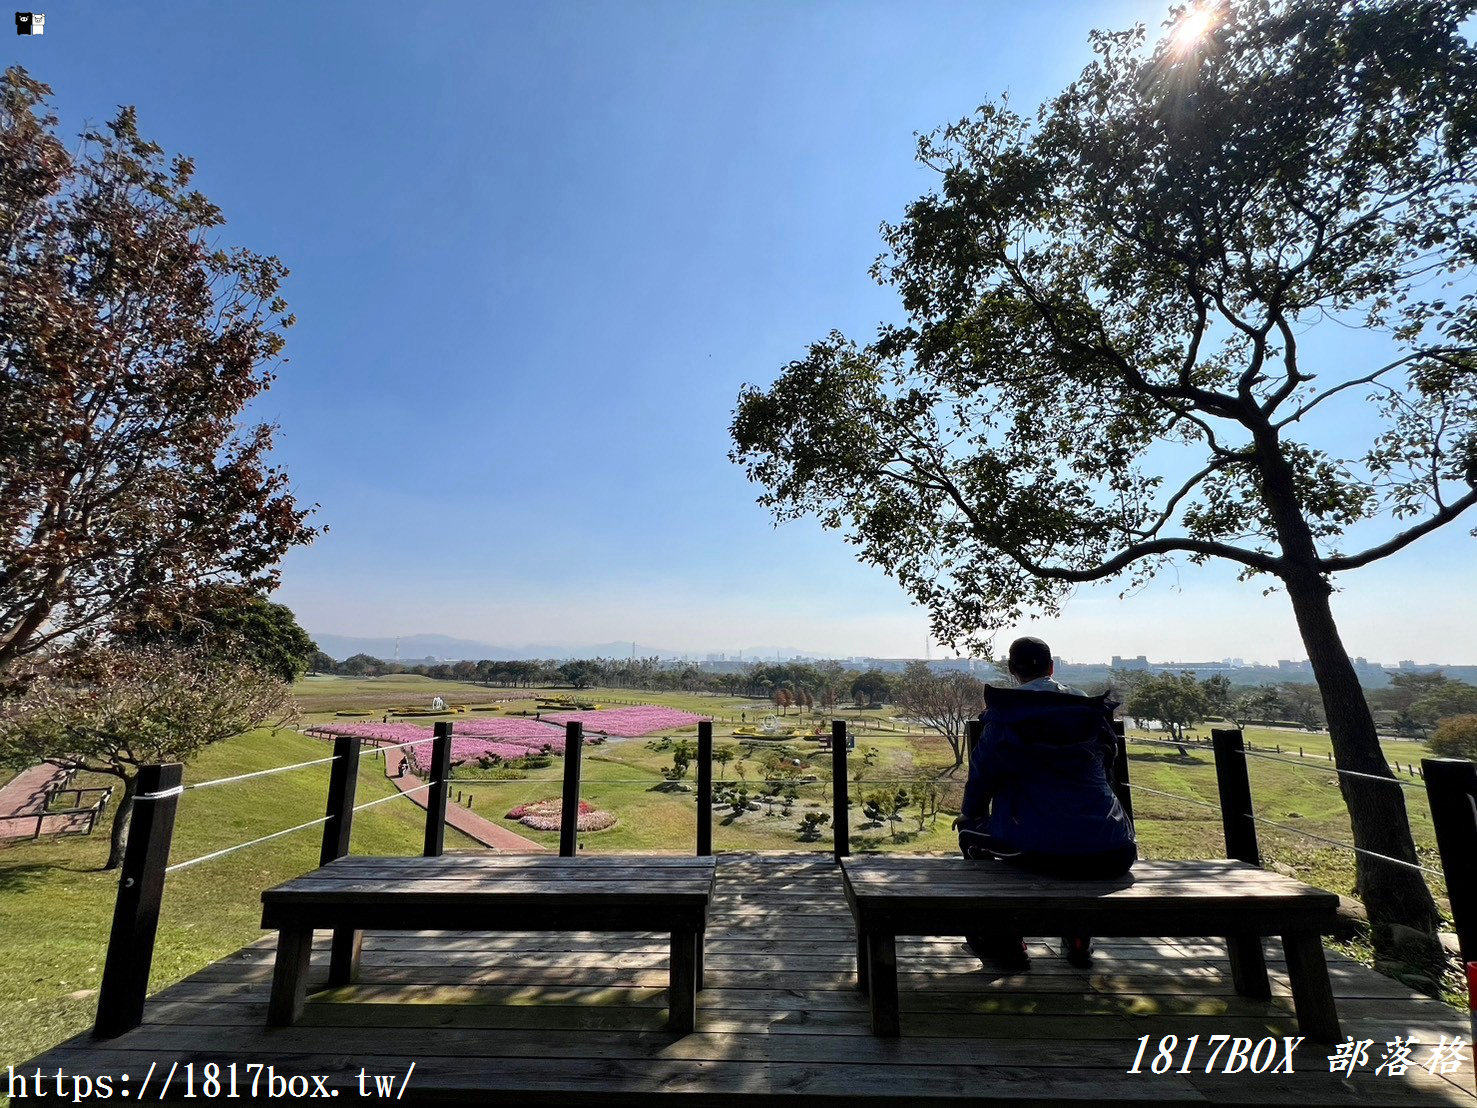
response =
{"points": [[544, 1019]]}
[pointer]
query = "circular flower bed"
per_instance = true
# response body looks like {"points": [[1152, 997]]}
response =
{"points": [[543, 815]]}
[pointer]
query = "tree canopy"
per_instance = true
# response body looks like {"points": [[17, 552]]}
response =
{"points": [[130, 346], [1105, 362]]}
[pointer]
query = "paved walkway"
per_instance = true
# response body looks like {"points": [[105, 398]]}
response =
{"points": [[467, 822], [23, 799]]}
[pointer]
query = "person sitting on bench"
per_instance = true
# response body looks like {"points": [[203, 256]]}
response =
{"points": [[1039, 794]]}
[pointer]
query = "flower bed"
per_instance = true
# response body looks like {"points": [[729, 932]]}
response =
{"points": [[471, 740], [628, 722], [543, 815]]}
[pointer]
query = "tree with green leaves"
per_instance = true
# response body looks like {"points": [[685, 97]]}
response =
{"points": [[1176, 700], [245, 626], [1112, 360], [871, 688], [117, 708], [1456, 737], [131, 346]]}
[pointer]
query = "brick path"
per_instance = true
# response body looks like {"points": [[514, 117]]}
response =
{"points": [[24, 797], [468, 822]]}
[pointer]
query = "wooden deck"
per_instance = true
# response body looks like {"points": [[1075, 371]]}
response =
{"points": [[551, 1019]]}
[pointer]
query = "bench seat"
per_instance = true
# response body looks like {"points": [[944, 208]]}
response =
{"points": [[913, 895], [492, 892]]}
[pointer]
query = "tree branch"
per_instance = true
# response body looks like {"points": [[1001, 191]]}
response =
{"points": [[1400, 541]]}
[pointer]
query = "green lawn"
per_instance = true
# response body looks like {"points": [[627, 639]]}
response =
{"points": [[56, 904]]}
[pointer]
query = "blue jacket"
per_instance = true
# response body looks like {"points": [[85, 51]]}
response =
{"points": [[1043, 770]]}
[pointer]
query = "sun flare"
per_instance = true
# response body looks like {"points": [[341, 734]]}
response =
{"points": [[1192, 28]]}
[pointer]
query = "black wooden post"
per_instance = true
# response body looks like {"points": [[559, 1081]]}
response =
{"points": [[1451, 791], [1234, 783], [120, 1001], [343, 779], [1248, 964], [440, 787], [973, 729], [840, 816], [704, 788], [1120, 769], [569, 814]]}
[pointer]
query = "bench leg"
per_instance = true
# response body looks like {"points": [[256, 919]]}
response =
{"points": [[343, 962], [1312, 993], [699, 971], [682, 983], [861, 962], [882, 979], [1248, 966], [290, 976]]}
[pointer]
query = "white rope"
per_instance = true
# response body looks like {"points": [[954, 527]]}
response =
{"points": [[1347, 846], [1173, 796], [1324, 769], [393, 796], [259, 773], [243, 846], [163, 794]]}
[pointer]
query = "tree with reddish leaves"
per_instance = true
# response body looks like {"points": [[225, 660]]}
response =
{"points": [[130, 345]]}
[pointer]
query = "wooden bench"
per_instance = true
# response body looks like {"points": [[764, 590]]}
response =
{"points": [[891, 896], [492, 892]]}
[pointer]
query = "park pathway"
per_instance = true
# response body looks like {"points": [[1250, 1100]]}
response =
{"points": [[467, 822], [23, 798]]}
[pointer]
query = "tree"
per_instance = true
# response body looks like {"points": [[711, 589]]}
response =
{"points": [[682, 752], [1302, 704], [1217, 690], [1128, 278], [321, 663], [1262, 703], [129, 349], [811, 824], [923, 794], [722, 755], [944, 702], [1450, 698], [579, 673], [1174, 699], [1456, 737], [871, 688], [363, 665], [251, 628], [115, 709]]}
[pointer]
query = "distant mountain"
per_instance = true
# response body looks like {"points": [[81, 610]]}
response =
{"points": [[419, 648]]}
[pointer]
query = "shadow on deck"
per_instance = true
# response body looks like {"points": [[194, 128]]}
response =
{"points": [[546, 1019]]}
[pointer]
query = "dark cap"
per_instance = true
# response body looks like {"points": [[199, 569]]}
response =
{"points": [[1029, 655]]}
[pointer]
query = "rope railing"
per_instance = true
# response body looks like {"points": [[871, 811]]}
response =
{"points": [[1324, 769], [392, 796], [258, 773], [1136, 787], [242, 846], [1346, 846]]}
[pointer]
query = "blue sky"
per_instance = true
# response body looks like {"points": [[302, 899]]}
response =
{"points": [[536, 249]]}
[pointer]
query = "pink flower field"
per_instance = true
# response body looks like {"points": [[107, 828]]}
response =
{"points": [[628, 723], [471, 739]]}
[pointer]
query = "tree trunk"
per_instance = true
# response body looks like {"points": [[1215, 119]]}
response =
{"points": [[119, 837], [1377, 811]]}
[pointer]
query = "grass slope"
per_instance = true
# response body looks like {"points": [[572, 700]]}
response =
{"points": [[56, 905]]}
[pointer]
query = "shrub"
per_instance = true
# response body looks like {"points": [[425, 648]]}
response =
{"points": [[1456, 737]]}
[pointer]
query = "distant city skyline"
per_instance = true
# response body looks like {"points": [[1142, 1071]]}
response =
{"points": [[411, 649]]}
